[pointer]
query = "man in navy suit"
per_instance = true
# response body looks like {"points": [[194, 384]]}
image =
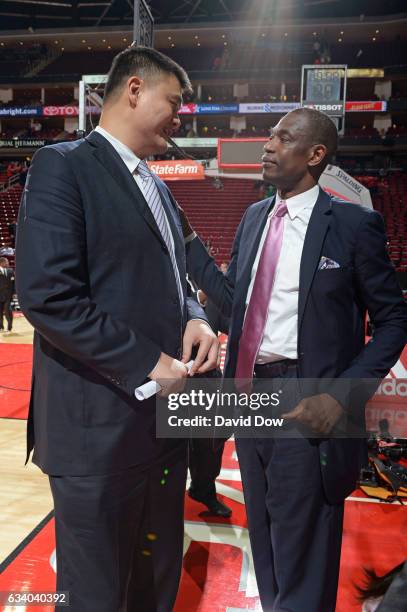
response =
{"points": [[101, 277], [6, 293], [305, 269]]}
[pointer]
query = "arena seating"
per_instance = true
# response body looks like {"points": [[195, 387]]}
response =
{"points": [[80, 63], [390, 199], [9, 204], [215, 213], [361, 136]]}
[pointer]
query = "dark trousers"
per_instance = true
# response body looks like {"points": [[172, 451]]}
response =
{"points": [[295, 533], [205, 462], [5, 311], [119, 537]]}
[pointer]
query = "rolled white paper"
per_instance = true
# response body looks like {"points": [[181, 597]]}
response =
{"points": [[151, 388]]}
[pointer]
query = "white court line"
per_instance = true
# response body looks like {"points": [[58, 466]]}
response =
{"points": [[372, 500], [234, 475]]}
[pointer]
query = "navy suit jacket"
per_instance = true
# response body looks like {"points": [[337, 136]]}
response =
{"points": [[7, 285], [95, 279], [332, 308]]}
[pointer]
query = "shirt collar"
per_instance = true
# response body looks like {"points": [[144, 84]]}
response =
{"points": [[129, 158], [296, 204]]}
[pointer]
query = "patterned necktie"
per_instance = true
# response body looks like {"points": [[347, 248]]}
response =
{"points": [[153, 200], [257, 310]]}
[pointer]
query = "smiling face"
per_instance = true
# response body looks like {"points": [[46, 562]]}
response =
{"points": [[155, 104], [290, 159]]}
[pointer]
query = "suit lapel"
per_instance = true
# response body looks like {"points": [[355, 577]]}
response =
{"points": [[251, 247], [112, 162], [311, 253]]}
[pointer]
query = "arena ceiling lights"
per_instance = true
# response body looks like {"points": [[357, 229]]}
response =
{"points": [[41, 14]]}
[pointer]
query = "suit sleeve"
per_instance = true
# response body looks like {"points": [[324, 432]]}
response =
{"points": [[380, 292], [195, 310], [52, 279], [201, 267]]}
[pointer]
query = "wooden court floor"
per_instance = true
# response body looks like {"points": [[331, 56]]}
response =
{"points": [[24, 492], [214, 549]]}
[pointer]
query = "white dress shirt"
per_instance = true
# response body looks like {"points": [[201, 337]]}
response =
{"points": [[280, 334]]}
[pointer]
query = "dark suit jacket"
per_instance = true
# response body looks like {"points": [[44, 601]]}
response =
{"points": [[331, 310], [217, 321], [95, 279], [6, 285]]}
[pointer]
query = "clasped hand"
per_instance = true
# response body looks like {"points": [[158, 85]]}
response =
{"points": [[171, 373], [318, 412]]}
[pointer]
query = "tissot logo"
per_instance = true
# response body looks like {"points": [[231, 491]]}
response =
{"points": [[326, 108]]}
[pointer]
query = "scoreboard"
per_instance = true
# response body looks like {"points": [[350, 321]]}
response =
{"points": [[324, 88]]}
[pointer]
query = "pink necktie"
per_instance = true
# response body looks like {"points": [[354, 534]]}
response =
{"points": [[257, 310]]}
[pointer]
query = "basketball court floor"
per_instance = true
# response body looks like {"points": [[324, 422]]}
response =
{"points": [[218, 572]]}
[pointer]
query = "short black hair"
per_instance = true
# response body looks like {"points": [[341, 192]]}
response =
{"points": [[321, 130], [143, 62]]}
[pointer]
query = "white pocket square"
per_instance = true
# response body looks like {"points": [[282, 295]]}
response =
{"points": [[327, 264]]}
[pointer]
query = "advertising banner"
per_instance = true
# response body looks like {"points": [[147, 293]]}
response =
{"points": [[28, 143], [203, 109], [68, 111], [188, 109], [21, 111], [377, 106], [340, 184], [177, 170], [268, 107]]}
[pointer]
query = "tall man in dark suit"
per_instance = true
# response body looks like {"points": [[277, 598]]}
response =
{"points": [[101, 276], [6, 293], [305, 269]]}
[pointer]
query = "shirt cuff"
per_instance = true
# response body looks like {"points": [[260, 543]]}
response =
{"points": [[203, 321], [190, 238]]}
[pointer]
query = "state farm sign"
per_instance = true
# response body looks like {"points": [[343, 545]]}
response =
{"points": [[178, 170]]}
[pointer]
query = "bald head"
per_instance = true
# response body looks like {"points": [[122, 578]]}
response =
{"points": [[319, 129], [299, 148]]}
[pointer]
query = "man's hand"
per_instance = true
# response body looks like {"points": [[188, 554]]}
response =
{"points": [[199, 333], [170, 374], [319, 412]]}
